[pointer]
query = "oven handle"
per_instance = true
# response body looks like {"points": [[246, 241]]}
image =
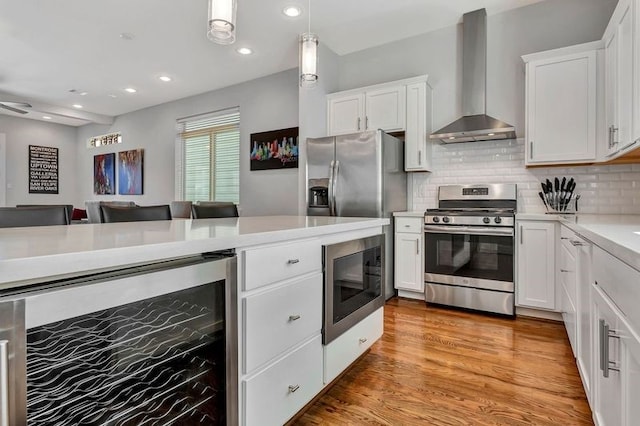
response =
{"points": [[469, 230]]}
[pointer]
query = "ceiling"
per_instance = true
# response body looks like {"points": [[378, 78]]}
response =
{"points": [[51, 47]]}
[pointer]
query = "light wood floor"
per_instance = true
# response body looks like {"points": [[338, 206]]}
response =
{"points": [[444, 367]]}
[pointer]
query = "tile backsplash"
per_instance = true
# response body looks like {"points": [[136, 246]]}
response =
{"points": [[613, 189]]}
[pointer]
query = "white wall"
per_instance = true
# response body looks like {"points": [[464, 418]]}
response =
{"points": [[22, 132], [268, 103]]}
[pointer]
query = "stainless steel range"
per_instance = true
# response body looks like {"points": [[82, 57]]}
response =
{"points": [[469, 248]]}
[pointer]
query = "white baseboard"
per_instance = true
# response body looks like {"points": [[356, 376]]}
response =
{"points": [[417, 295], [538, 313]]}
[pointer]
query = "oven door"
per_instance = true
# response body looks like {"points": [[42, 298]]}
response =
{"points": [[353, 283], [470, 256]]}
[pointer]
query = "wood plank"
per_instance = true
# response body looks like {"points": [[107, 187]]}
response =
{"points": [[440, 366]]}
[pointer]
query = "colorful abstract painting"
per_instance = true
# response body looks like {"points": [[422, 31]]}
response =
{"points": [[104, 177], [130, 172], [277, 149]]}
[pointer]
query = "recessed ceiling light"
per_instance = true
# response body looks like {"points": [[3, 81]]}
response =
{"points": [[46, 117], [244, 51], [451, 137], [292, 11], [113, 96], [83, 93], [491, 134], [165, 78], [130, 90], [77, 106], [127, 36]]}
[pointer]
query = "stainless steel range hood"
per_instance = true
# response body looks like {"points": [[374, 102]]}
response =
{"points": [[475, 125]]}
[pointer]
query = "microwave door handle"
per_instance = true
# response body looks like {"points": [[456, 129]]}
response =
{"points": [[469, 230]]}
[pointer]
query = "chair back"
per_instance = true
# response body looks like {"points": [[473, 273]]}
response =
{"points": [[93, 208], [181, 209], [210, 211], [11, 217], [111, 214], [68, 208]]}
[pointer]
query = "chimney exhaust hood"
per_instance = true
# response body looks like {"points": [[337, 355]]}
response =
{"points": [[475, 125]]}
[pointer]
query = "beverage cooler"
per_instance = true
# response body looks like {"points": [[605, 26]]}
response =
{"points": [[147, 345]]}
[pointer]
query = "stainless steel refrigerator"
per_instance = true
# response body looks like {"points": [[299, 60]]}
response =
{"points": [[358, 175]]}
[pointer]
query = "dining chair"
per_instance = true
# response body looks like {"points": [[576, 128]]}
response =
{"points": [[11, 217], [211, 211], [181, 209], [111, 214], [68, 207]]}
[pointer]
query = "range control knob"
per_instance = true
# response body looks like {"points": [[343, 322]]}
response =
{"points": [[436, 219], [486, 220], [445, 219], [498, 219]]}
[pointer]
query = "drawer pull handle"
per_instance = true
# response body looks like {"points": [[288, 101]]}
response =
{"points": [[293, 261], [363, 340], [407, 226], [564, 270], [293, 388], [294, 317]]}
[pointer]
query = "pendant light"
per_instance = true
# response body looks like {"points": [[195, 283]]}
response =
{"points": [[308, 56], [222, 21]]}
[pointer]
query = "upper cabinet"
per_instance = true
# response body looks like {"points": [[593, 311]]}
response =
{"points": [[397, 106], [562, 105], [619, 77]]}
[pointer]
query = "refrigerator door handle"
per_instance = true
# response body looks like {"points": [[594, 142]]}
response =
{"points": [[331, 181], [336, 170]]}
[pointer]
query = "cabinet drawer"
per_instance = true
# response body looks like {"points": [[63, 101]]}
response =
{"points": [[266, 265], [620, 282], [566, 238], [277, 393], [281, 318], [413, 225], [570, 318], [340, 353]]}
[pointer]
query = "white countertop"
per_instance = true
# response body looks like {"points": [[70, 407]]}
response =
{"points": [[39, 252], [409, 214], [617, 234]]}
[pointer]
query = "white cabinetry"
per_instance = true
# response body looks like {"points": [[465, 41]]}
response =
{"points": [[567, 278], [397, 106], [380, 108], [561, 105], [615, 324], [281, 353], [408, 256], [535, 253], [619, 70]]}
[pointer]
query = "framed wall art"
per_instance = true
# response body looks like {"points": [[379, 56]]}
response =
{"points": [[104, 177], [43, 170], [130, 172], [276, 149]]}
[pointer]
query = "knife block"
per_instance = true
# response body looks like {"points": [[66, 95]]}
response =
{"points": [[569, 207]]}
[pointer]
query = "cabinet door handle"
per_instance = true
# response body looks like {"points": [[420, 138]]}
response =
{"points": [[521, 237], [605, 364], [610, 136], [4, 383], [577, 243], [362, 340], [293, 261], [419, 157], [601, 344], [564, 270], [294, 317], [366, 123], [614, 129], [531, 150], [417, 247], [293, 388], [358, 123]]}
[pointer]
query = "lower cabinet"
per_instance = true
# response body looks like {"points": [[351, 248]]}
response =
{"points": [[277, 393], [535, 254], [340, 353], [408, 255]]}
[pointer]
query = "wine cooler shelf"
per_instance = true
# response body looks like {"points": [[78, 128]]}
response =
{"points": [[155, 362]]}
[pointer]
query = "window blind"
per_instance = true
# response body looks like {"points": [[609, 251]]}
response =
{"points": [[209, 157]]}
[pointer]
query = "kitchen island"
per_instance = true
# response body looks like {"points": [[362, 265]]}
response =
{"points": [[281, 361]]}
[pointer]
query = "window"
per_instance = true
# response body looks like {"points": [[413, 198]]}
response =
{"points": [[208, 157]]}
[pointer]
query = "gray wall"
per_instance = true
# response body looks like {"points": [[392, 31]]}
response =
{"points": [[541, 26], [267, 103], [22, 132]]}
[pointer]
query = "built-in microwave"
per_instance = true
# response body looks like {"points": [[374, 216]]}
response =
{"points": [[354, 274]]}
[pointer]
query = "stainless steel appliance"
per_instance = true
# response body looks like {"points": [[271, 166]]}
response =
{"points": [[153, 344], [475, 124], [469, 248], [353, 283], [362, 175]]}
